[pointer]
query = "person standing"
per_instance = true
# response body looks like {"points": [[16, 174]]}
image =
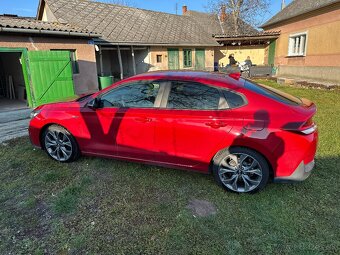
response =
{"points": [[248, 62], [232, 60]]}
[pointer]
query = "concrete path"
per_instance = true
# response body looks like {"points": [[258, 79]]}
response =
{"points": [[14, 124]]}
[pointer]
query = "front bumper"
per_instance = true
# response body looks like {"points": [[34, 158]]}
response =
{"points": [[301, 173], [34, 133]]}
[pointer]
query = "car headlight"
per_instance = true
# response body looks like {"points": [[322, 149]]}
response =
{"points": [[34, 113]]}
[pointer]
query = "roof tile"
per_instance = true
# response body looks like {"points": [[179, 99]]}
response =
{"points": [[298, 7], [119, 24], [33, 24]]}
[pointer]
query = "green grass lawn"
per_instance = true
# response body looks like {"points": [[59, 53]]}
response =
{"points": [[101, 206]]}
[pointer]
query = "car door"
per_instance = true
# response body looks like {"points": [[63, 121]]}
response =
{"points": [[124, 124], [99, 130], [191, 124], [134, 124]]}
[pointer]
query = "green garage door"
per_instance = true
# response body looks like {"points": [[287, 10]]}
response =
{"points": [[173, 59], [271, 53], [200, 59], [51, 76]]}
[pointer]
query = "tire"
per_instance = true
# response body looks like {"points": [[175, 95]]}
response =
{"points": [[59, 144], [249, 176]]}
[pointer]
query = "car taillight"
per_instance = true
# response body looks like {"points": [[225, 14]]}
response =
{"points": [[308, 123], [308, 127]]}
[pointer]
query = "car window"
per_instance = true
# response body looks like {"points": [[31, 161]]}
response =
{"points": [[234, 100], [273, 93], [136, 95], [186, 95]]}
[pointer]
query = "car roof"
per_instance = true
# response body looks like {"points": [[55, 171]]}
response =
{"points": [[213, 78]]}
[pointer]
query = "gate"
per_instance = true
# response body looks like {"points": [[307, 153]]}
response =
{"points": [[51, 77]]}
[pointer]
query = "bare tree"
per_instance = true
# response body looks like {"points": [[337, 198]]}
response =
{"points": [[251, 11], [119, 2]]}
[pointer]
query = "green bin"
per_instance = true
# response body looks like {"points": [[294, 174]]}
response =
{"points": [[105, 81]]}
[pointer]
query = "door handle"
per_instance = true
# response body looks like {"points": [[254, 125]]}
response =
{"points": [[216, 124], [143, 119]]}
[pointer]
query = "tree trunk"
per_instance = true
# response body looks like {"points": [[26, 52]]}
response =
{"points": [[235, 20], [236, 7]]}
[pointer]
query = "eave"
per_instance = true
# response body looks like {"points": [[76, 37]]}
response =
{"points": [[257, 39]]}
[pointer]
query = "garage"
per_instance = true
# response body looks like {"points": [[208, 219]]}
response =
{"points": [[12, 82], [43, 62]]}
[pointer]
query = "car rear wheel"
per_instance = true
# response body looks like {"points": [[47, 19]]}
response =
{"points": [[241, 170], [60, 144]]}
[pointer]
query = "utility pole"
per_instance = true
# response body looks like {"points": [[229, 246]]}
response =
{"points": [[176, 8]]}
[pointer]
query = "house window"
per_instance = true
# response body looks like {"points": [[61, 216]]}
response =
{"points": [[297, 45], [74, 60], [187, 57], [159, 58]]}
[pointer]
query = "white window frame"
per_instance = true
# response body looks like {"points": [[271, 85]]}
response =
{"points": [[292, 50]]}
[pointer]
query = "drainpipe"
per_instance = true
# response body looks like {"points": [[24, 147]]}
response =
{"points": [[120, 63], [101, 61], [133, 60]]}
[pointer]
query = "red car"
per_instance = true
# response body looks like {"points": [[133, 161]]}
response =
{"points": [[242, 132]]}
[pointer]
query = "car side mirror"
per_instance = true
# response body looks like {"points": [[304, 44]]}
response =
{"points": [[94, 104]]}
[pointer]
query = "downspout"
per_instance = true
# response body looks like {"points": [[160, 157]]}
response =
{"points": [[101, 61], [120, 63], [133, 61]]}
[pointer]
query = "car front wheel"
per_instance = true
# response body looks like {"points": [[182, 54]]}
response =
{"points": [[241, 170], [60, 144]]}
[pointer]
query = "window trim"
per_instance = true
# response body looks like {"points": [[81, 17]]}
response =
{"points": [[190, 51], [158, 98], [237, 93], [291, 36]]}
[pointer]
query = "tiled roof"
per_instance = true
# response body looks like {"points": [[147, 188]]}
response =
{"points": [[211, 23], [121, 24], [298, 7], [258, 34], [30, 24]]}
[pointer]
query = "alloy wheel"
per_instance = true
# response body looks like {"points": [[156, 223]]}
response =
{"points": [[240, 172], [58, 145]]}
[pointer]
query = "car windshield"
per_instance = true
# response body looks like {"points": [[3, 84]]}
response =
{"points": [[273, 93]]}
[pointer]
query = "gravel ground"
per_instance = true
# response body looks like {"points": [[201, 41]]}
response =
{"points": [[13, 124]]}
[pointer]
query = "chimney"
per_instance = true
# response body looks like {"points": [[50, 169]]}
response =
{"points": [[184, 9], [223, 14], [283, 4]]}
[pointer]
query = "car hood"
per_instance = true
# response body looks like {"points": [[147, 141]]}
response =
{"points": [[70, 101]]}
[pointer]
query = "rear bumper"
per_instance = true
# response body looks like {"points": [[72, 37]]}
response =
{"points": [[301, 173]]}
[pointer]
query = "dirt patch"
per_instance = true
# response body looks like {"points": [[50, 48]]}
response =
{"points": [[38, 222], [201, 208]]}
